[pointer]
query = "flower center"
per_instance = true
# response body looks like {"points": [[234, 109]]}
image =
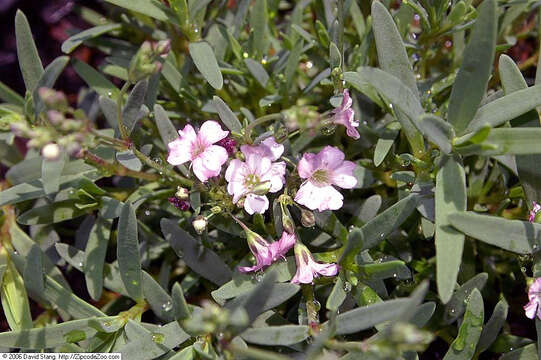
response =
{"points": [[320, 176], [250, 181], [198, 148]]}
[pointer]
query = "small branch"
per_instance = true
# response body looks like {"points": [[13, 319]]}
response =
{"points": [[162, 169], [259, 121], [121, 126], [257, 354], [117, 169], [311, 311]]}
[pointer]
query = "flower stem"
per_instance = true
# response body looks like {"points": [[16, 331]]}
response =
{"points": [[259, 121], [311, 309], [118, 169], [162, 169]]}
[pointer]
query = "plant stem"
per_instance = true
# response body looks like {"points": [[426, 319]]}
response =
{"points": [[162, 169], [257, 354], [259, 121], [118, 169], [311, 310]]}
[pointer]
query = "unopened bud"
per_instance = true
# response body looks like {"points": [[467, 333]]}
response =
{"points": [[147, 60], [281, 134], [52, 98], [200, 224], [182, 193], [51, 152], [55, 117], [162, 47], [216, 210], [287, 222], [307, 218]]}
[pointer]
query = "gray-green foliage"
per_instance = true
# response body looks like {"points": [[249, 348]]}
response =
{"points": [[433, 236]]}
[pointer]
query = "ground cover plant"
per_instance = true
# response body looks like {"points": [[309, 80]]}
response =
{"points": [[265, 179]]}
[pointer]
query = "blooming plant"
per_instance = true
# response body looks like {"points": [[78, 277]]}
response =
{"points": [[264, 179]]}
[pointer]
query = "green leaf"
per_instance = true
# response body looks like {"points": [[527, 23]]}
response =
{"points": [[10, 96], [506, 108], [258, 22], [182, 311], [33, 271], [128, 159], [517, 236], [337, 295], [29, 60], [205, 61], [51, 171], [437, 131], [463, 348], [74, 41], [506, 141], [366, 317], [51, 213], [129, 261], [160, 302], [392, 54], [60, 297], [258, 71], [528, 352], [385, 142], [276, 335], [51, 335], [291, 67], [14, 298], [95, 79], [456, 306], [152, 8], [226, 115], [48, 79], [528, 171], [472, 77], [389, 220], [397, 93], [95, 251], [203, 261], [493, 326], [180, 7], [450, 197], [132, 110], [167, 130], [335, 59]]}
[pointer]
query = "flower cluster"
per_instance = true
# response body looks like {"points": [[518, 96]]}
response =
{"points": [[259, 169]]}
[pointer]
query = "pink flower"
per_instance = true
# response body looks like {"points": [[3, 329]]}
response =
{"points": [[265, 254], [207, 159], [256, 176], [534, 295], [321, 171], [535, 209], [308, 268], [344, 115]]}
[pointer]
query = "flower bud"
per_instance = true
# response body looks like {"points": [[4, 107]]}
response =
{"points": [[200, 224], [51, 152], [148, 60], [55, 117], [307, 218], [182, 193], [287, 222], [216, 210], [52, 98]]}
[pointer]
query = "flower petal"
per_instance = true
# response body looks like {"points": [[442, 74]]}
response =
{"points": [[214, 157], [211, 132], [179, 151], [281, 247], [325, 269], [319, 198], [530, 309], [343, 175], [330, 157], [275, 149], [256, 204], [307, 165]]}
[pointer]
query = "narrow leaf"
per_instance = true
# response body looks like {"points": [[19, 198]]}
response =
{"points": [[129, 261], [29, 60], [205, 61], [167, 130], [450, 197], [95, 251], [132, 110], [182, 311], [226, 115], [276, 335], [437, 131], [493, 326], [95, 80], [74, 41], [517, 236], [203, 261], [472, 78]]}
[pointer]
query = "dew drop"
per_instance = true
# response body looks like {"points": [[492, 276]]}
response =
{"points": [[147, 212], [158, 338], [347, 286], [109, 93], [167, 306], [80, 264], [258, 277]]}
